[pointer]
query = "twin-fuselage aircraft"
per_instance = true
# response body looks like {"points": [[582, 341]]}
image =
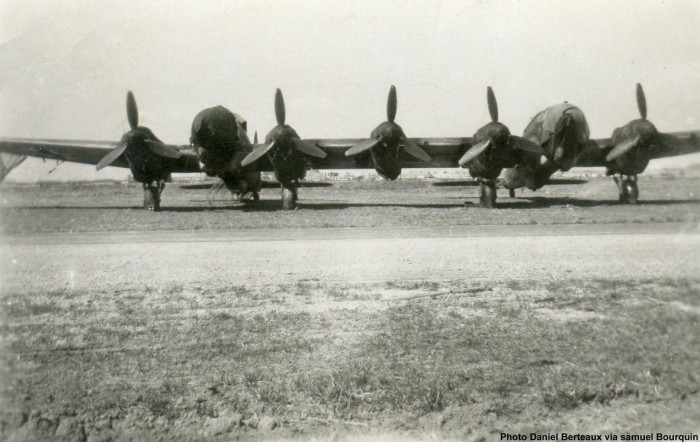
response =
{"points": [[556, 139]]}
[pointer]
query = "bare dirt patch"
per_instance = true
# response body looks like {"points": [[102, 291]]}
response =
{"points": [[406, 202]]}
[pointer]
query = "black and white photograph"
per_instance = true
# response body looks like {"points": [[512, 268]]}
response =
{"points": [[426, 220]]}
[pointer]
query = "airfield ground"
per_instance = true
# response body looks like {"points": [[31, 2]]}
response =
{"points": [[376, 311]]}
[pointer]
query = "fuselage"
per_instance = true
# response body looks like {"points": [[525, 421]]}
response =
{"points": [[562, 131], [220, 140]]}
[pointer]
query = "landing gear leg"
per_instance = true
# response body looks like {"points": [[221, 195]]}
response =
{"points": [[631, 189], [627, 187], [487, 197], [289, 195], [213, 190], [151, 195]]}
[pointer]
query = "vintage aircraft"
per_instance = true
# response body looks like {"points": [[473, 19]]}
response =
{"points": [[150, 160], [562, 131], [494, 149], [556, 139], [286, 152], [386, 143], [628, 152]]}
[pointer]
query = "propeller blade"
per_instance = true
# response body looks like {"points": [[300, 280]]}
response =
{"points": [[521, 143], [255, 138], [362, 146], [391, 104], [474, 152], [112, 156], [279, 108], [259, 151], [493, 105], [163, 149], [415, 150], [622, 148], [309, 149], [132, 112], [641, 102]]}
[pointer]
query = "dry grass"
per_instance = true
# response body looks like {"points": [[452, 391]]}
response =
{"points": [[312, 354]]}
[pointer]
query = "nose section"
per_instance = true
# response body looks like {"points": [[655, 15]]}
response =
{"points": [[565, 142]]}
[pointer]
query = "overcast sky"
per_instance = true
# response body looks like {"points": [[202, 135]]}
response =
{"points": [[66, 65]]}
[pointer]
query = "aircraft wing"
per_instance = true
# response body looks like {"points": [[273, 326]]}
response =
{"points": [[672, 144], [443, 152], [85, 152], [678, 143]]}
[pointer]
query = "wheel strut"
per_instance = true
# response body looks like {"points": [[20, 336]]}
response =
{"points": [[289, 196], [151, 195]]}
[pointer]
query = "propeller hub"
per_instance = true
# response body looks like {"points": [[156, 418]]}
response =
{"points": [[282, 136], [497, 132], [644, 130], [390, 133]]}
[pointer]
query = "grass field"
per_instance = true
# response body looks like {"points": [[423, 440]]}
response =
{"points": [[445, 358], [460, 360]]}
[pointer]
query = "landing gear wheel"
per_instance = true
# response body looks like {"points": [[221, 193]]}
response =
{"points": [[511, 193], [289, 198], [487, 197], [631, 190], [151, 196], [627, 186], [256, 197]]}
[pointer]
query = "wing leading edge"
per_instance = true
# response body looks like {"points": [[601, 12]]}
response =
{"points": [[86, 152], [672, 144], [444, 152]]}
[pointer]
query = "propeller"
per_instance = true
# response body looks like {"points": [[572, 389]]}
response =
{"points": [[409, 146], [631, 141], [622, 148], [279, 108], [474, 152], [493, 104], [162, 149], [132, 111], [363, 146], [641, 102], [112, 156], [391, 104], [259, 150], [515, 141], [154, 145]]}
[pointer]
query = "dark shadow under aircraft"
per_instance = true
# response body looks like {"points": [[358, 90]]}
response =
{"points": [[556, 139]]}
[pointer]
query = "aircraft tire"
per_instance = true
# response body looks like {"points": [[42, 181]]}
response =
{"points": [[487, 197], [631, 191], [289, 199], [151, 198]]}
